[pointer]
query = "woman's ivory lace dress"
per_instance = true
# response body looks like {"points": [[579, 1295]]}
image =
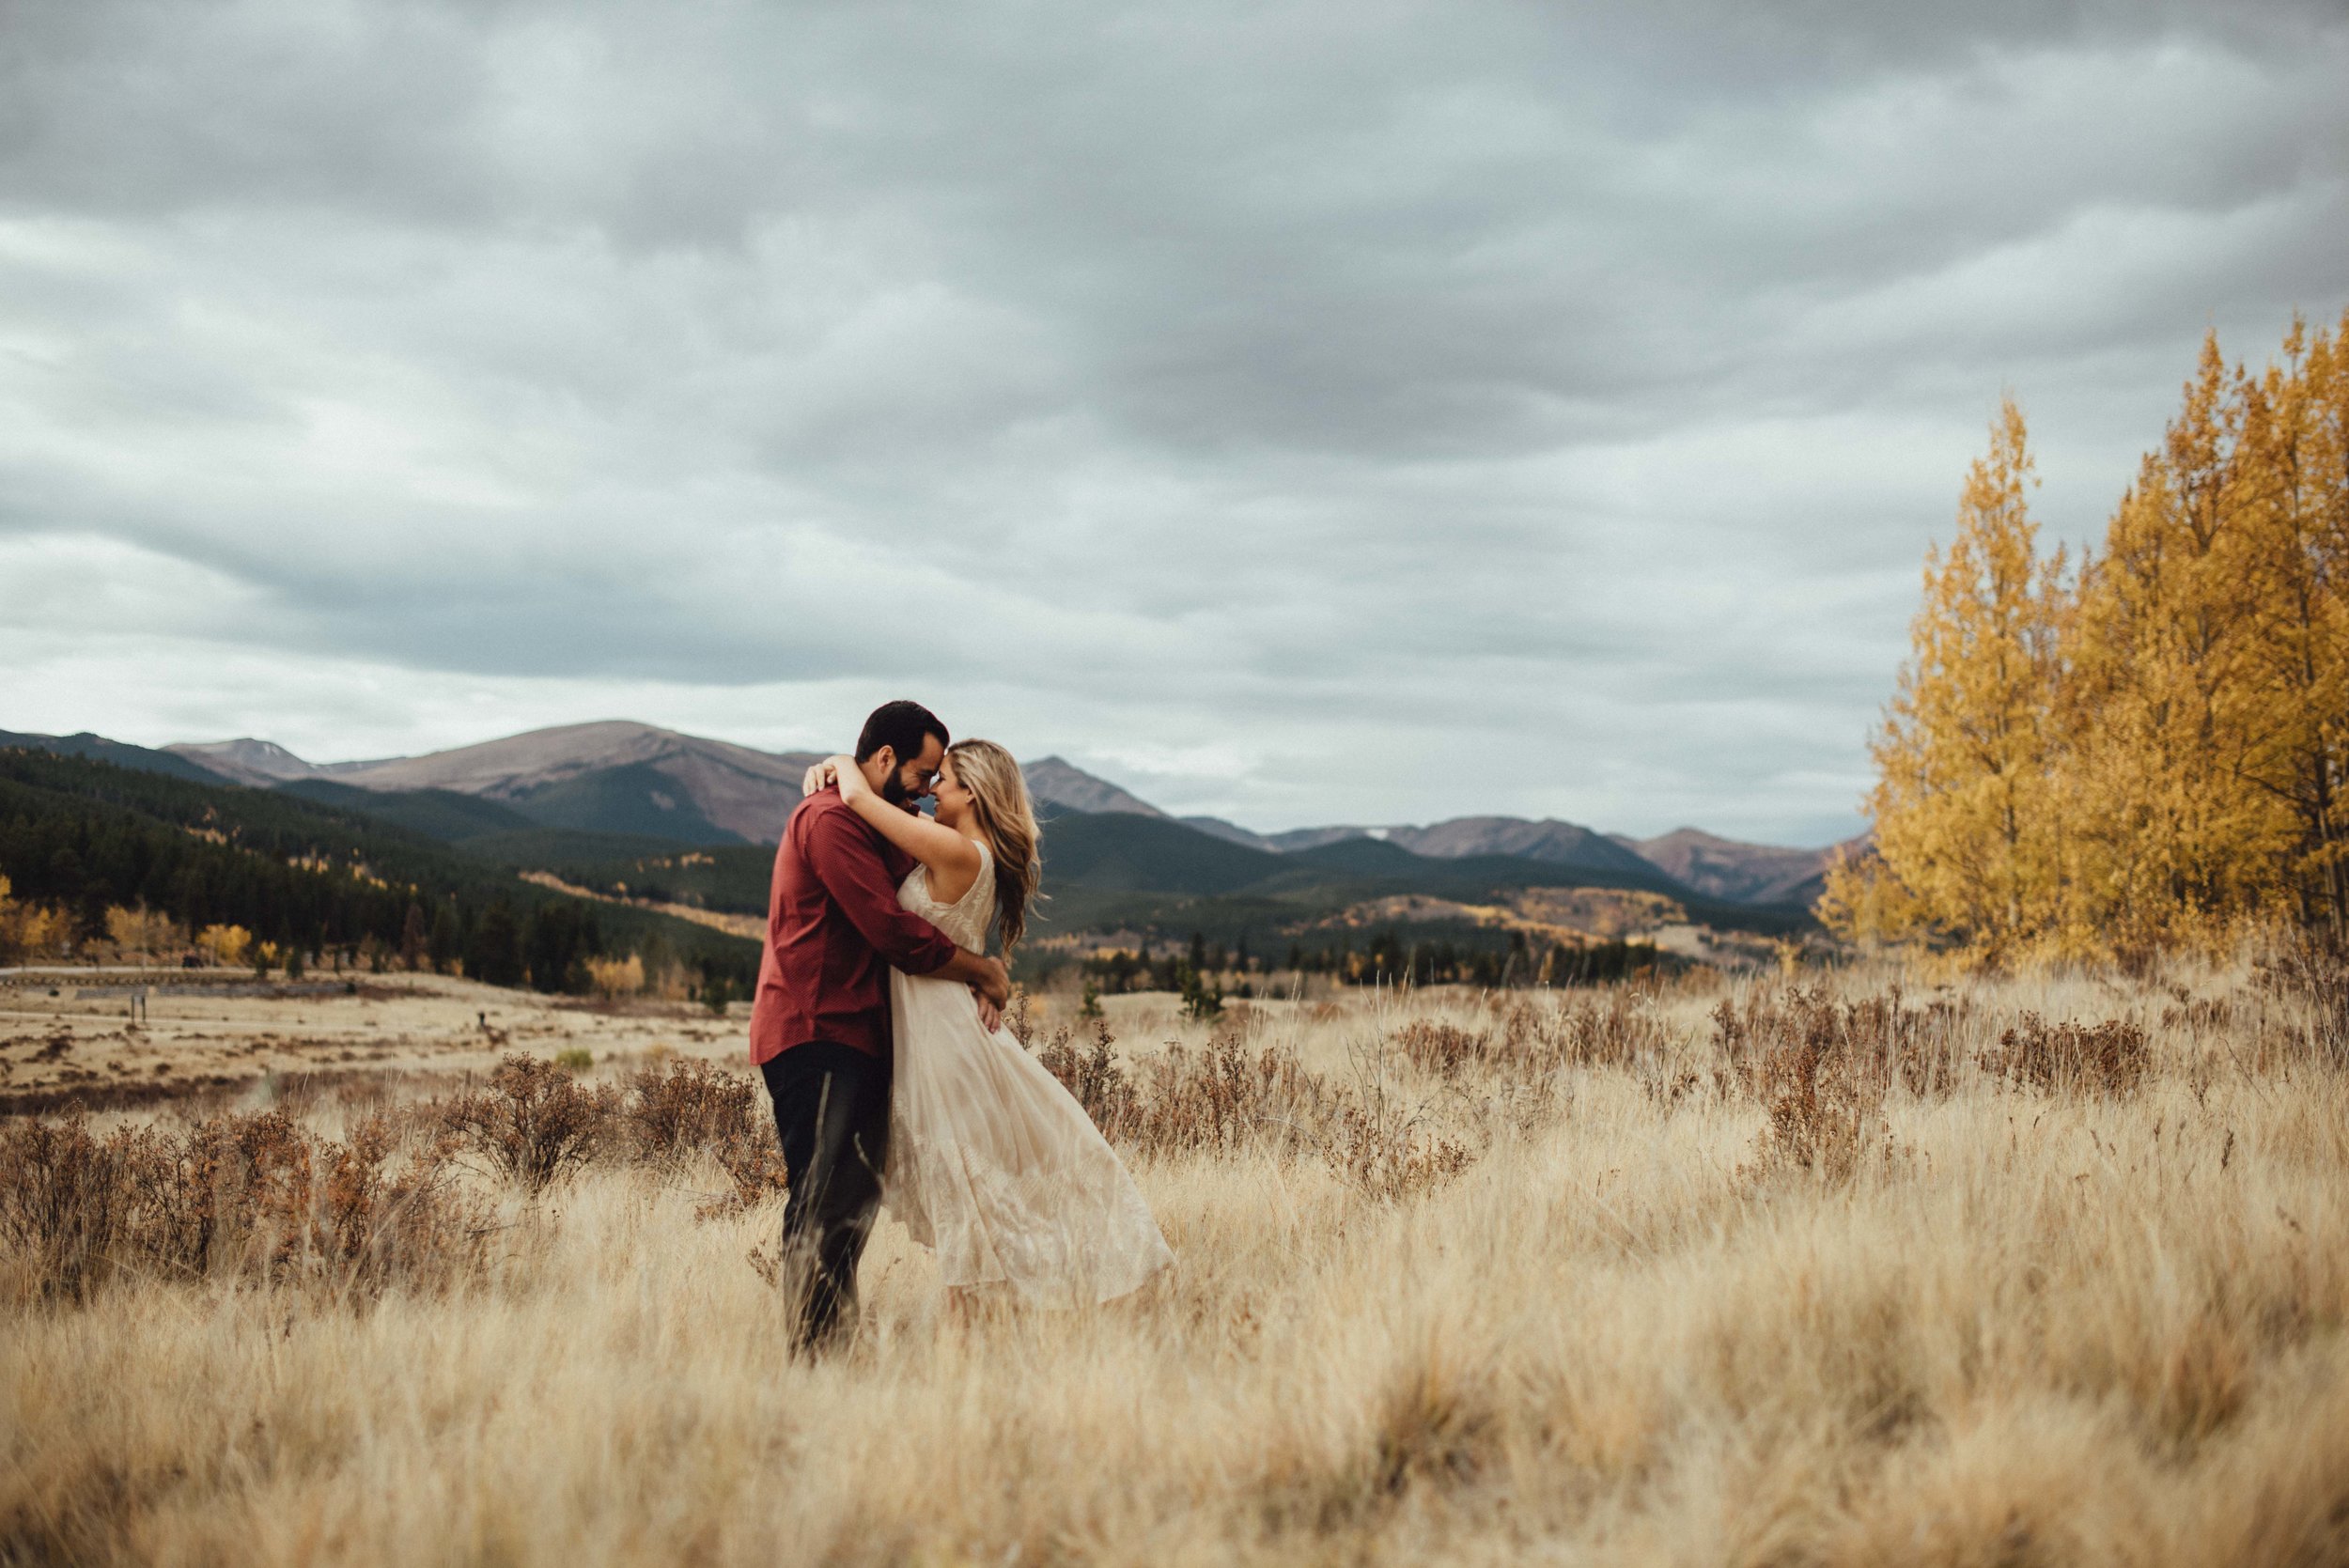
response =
{"points": [[992, 1164]]}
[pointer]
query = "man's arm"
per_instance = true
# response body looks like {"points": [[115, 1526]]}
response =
{"points": [[985, 976], [946, 852], [842, 855], [845, 860]]}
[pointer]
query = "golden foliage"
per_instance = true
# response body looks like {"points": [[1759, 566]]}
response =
{"points": [[29, 930], [143, 930], [616, 977], [228, 944], [2150, 753], [1962, 802]]}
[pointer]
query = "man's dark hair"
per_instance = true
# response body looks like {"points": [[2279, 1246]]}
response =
{"points": [[902, 726]]}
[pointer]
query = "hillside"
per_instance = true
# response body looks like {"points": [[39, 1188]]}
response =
{"points": [[1747, 873], [594, 799], [307, 875], [436, 814], [1117, 876], [258, 763], [609, 777], [1549, 839], [1058, 786], [97, 748], [615, 777]]}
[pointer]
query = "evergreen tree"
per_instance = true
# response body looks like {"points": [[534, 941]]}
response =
{"points": [[495, 953], [447, 940], [414, 937]]}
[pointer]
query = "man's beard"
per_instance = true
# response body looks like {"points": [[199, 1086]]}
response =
{"points": [[894, 790]]}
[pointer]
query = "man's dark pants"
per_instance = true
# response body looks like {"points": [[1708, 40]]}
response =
{"points": [[831, 1113]]}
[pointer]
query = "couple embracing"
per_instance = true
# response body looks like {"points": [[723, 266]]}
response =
{"points": [[878, 1028]]}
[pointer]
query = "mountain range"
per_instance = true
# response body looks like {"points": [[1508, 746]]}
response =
{"points": [[655, 786]]}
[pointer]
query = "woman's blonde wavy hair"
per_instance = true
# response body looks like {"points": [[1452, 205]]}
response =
{"points": [[999, 798]]}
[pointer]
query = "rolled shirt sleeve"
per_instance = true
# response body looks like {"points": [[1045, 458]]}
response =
{"points": [[840, 851]]}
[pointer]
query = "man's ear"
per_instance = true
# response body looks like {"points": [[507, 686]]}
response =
{"points": [[887, 757]]}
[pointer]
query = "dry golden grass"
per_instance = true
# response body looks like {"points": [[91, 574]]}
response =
{"points": [[1815, 1277]]}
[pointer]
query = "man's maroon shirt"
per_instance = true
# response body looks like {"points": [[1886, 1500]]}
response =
{"points": [[834, 932]]}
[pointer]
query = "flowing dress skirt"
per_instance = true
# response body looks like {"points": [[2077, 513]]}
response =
{"points": [[996, 1168]]}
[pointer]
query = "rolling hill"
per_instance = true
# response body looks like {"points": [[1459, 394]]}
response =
{"points": [[1123, 872], [438, 814], [1551, 841], [615, 777], [609, 777], [1058, 786], [309, 873], [262, 763], [614, 793], [97, 748], [1747, 873]]}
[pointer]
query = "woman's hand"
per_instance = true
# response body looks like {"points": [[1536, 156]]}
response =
{"points": [[817, 777], [848, 776]]}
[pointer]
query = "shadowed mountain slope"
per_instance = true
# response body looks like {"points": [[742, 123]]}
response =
{"points": [[440, 814], [1231, 833], [1122, 852], [99, 749], [295, 870]]}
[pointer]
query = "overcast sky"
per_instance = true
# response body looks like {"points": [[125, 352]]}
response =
{"points": [[1349, 412]]}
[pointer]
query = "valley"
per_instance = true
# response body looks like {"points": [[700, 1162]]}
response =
{"points": [[679, 827]]}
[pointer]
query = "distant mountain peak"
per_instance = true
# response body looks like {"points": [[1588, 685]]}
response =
{"points": [[246, 760], [121, 754], [625, 775], [607, 773], [1057, 781], [1726, 868]]}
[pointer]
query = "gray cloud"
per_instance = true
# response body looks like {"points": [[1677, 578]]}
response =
{"points": [[1309, 412]]}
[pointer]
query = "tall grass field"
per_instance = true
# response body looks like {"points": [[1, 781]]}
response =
{"points": [[1847, 1267]]}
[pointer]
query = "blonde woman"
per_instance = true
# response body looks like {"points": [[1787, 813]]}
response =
{"points": [[991, 1164]]}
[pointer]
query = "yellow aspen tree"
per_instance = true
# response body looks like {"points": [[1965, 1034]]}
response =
{"points": [[228, 944], [14, 918], [2290, 490], [1968, 837], [2172, 841]]}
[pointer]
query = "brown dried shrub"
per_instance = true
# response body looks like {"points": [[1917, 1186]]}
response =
{"points": [[1919, 1045], [1441, 1048], [1385, 1151], [65, 1199], [755, 1165], [1220, 1097], [673, 1108], [1615, 1028], [1820, 1071], [676, 1109], [534, 1124], [2108, 1059], [2314, 974], [1092, 1076], [247, 1194], [1370, 1137], [1823, 1109]]}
